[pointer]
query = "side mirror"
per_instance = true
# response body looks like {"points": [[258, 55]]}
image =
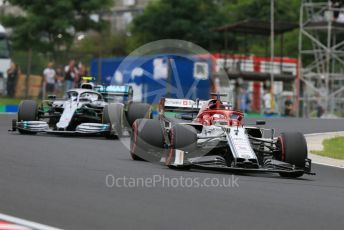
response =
{"points": [[51, 97], [260, 122]]}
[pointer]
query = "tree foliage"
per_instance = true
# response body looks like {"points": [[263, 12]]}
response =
{"points": [[285, 11], [190, 20], [193, 20], [243, 9], [104, 44], [49, 25]]}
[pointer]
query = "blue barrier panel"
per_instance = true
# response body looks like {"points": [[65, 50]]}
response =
{"points": [[108, 68], [11, 108], [153, 77]]}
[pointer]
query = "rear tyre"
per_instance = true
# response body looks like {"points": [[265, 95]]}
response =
{"points": [[182, 137], [293, 150], [146, 140], [113, 115], [27, 111], [138, 110]]}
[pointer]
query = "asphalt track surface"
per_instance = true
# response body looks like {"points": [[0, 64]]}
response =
{"points": [[61, 182]]}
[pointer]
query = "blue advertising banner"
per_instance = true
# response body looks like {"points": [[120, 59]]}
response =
{"points": [[153, 77]]}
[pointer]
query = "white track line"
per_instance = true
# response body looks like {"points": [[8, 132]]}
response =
{"points": [[319, 163], [325, 133], [26, 223], [13, 227]]}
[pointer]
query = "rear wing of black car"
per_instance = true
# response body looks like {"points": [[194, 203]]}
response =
{"points": [[180, 105]]}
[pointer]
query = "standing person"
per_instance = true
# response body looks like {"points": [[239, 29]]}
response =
{"points": [[244, 101], [12, 77], [59, 82], [288, 107], [49, 78], [82, 72], [267, 102], [70, 75]]}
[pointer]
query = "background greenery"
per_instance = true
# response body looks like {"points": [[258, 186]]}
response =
{"points": [[193, 20], [46, 33]]}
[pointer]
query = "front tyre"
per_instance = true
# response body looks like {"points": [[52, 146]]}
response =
{"points": [[184, 138], [293, 150], [27, 111], [146, 140]]}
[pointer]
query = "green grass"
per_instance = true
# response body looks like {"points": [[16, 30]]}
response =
{"points": [[253, 115], [333, 148], [9, 101]]}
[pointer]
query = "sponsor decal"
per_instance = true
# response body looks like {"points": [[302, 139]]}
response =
{"points": [[201, 70]]}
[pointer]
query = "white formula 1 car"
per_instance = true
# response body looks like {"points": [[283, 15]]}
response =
{"points": [[87, 110], [211, 135]]}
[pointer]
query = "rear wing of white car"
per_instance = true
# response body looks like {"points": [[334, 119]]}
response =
{"points": [[116, 93], [120, 90], [180, 105]]}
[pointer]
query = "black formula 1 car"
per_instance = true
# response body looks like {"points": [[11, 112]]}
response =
{"points": [[210, 135], [89, 110]]}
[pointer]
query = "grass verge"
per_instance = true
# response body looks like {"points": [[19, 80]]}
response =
{"points": [[333, 148], [9, 101]]}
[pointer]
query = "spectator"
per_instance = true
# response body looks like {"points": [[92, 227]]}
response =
{"points": [[71, 75], [288, 107], [337, 4], [244, 101], [320, 110], [82, 70], [12, 77], [49, 75], [2, 85], [59, 82], [267, 103]]}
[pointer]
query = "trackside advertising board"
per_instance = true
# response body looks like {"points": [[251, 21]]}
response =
{"points": [[153, 77]]}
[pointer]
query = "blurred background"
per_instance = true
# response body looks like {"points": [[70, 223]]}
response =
{"points": [[272, 58]]}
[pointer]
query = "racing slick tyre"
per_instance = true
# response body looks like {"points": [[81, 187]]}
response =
{"points": [[146, 140], [27, 111], [182, 137], [138, 110], [293, 150], [113, 115]]}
